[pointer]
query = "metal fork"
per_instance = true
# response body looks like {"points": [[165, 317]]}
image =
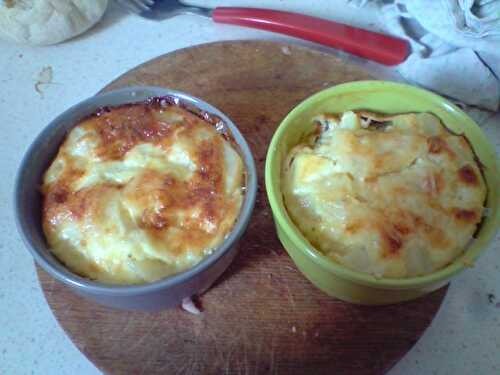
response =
{"points": [[378, 47], [160, 10]]}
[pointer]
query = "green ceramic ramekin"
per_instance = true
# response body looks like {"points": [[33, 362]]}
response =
{"points": [[390, 98]]}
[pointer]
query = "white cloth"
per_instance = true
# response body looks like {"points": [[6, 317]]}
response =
{"points": [[455, 46]]}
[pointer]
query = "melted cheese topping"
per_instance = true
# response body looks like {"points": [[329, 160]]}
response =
{"points": [[139, 192], [396, 196]]}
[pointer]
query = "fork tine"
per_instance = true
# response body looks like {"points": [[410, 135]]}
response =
{"points": [[128, 6], [141, 4], [132, 6]]}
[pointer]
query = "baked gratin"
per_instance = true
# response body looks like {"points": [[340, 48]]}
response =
{"points": [[141, 191], [393, 196]]}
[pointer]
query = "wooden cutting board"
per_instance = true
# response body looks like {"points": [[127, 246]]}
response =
{"points": [[262, 316]]}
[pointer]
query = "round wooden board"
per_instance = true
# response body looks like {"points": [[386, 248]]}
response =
{"points": [[262, 316]]}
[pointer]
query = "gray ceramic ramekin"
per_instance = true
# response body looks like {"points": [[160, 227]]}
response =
{"points": [[163, 293]]}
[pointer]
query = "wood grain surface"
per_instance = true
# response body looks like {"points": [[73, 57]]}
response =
{"points": [[262, 316]]}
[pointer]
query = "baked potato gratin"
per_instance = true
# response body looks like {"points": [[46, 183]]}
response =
{"points": [[393, 196], [141, 191]]}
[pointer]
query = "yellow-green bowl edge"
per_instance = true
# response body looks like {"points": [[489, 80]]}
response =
{"points": [[283, 221]]}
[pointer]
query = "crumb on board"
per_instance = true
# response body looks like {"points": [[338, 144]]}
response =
{"points": [[44, 77], [189, 306], [294, 329], [286, 50]]}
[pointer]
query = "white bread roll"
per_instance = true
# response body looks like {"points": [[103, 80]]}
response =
{"points": [[42, 22]]}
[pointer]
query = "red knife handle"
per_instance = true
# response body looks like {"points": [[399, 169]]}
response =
{"points": [[371, 45]]}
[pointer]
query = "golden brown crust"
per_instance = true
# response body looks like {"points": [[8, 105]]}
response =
{"points": [[467, 175], [152, 168], [394, 196]]}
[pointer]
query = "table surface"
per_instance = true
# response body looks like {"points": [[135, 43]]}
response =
{"points": [[464, 337]]}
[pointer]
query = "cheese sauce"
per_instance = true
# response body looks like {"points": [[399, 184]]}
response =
{"points": [[393, 196], [141, 191]]}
